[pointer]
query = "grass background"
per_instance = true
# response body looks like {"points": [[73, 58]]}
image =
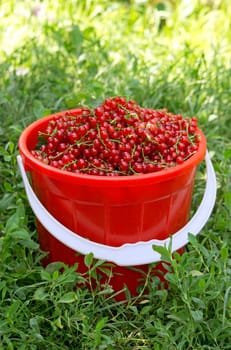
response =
{"points": [[60, 54]]}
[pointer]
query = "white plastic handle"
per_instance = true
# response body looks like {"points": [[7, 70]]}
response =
{"points": [[129, 254]]}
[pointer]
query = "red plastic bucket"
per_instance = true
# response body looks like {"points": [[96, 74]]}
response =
{"points": [[110, 210]]}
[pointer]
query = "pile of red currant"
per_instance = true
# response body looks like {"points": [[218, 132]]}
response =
{"points": [[117, 138]]}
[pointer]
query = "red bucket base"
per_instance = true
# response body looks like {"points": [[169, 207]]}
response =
{"points": [[123, 280]]}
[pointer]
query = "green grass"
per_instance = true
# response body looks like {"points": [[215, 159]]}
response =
{"points": [[170, 54]]}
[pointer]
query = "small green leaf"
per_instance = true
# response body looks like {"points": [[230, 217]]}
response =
{"points": [[58, 323], [45, 276], [11, 313], [181, 317], [171, 278], [34, 323], [202, 284], [195, 273], [55, 275], [197, 315], [199, 302], [40, 294], [145, 310], [164, 252], [29, 243], [68, 298], [24, 237], [20, 234], [162, 293], [12, 223], [53, 266], [193, 240], [10, 147], [224, 254], [134, 309], [106, 270], [98, 263], [101, 323], [8, 187], [88, 259], [21, 294], [6, 201]]}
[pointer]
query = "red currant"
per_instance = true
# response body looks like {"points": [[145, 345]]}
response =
{"points": [[117, 138]]}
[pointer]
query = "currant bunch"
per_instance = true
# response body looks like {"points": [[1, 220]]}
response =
{"points": [[117, 138]]}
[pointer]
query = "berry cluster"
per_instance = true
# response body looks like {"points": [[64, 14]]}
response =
{"points": [[117, 138]]}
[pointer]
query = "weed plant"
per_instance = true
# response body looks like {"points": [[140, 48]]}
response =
{"points": [[57, 55]]}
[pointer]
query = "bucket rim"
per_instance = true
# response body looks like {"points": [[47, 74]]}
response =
{"points": [[31, 163]]}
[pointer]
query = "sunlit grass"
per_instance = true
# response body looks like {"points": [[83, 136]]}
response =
{"points": [[135, 27]]}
